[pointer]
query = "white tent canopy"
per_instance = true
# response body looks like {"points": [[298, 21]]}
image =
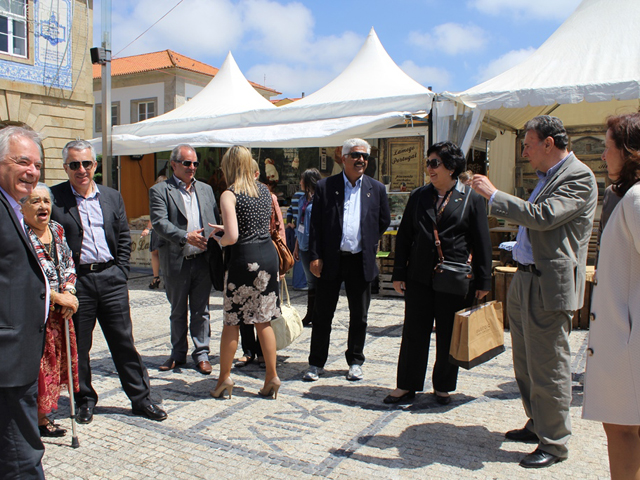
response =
{"points": [[353, 104], [589, 68]]}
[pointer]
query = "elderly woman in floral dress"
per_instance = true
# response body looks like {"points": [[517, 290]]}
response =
{"points": [[251, 282], [54, 254]]}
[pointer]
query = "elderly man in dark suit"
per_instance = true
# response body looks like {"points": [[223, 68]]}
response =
{"points": [[23, 310], [350, 213], [97, 230], [181, 210], [551, 254]]}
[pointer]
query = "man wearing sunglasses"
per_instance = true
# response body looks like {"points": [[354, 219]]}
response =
{"points": [[97, 231], [181, 210], [350, 213]]}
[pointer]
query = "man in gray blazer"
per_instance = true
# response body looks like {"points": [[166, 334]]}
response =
{"points": [[551, 255], [23, 310], [181, 210]]}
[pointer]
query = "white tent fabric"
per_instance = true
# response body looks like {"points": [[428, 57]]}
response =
{"points": [[227, 100], [592, 57], [353, 104]]}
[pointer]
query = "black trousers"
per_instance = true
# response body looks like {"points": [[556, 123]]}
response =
{"points": [[104, 296], [21, 449], [423, 306], [327, 294]]}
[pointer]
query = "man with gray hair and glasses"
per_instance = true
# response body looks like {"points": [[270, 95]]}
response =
{"points": [[181, 210], [23, 311], [97, 229]]}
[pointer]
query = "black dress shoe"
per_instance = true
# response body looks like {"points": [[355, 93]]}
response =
{"points": [[85, 414], [540, 459], [151, 411], [51, 429], [390, 399], [521, 435]]}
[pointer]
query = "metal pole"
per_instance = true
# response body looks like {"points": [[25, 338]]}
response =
{"points": [[107, 168]]}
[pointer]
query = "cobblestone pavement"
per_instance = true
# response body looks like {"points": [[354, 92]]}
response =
{"points": [[328, 429]]}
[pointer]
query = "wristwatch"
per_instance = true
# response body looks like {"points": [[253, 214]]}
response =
{"points": [[70, 289]]}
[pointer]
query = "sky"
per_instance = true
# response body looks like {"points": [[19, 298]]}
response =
{"points": [[300, 46]]}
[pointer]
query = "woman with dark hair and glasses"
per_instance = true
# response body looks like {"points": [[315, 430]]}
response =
{"points": [[308, 181], [459, 215], [612, 382]]}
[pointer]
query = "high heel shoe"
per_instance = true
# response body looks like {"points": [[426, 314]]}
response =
{"points": [[219, 392], [271, 388], [155, 283]]}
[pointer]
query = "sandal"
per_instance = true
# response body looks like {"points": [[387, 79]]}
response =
{"points": [[245, 360], [261, 362], [51, 429], [155, 283]]}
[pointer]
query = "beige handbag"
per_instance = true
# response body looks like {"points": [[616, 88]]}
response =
{"points": [[288, 326]]}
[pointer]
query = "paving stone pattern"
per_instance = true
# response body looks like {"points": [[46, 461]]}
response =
{"points": [[328, 429]]}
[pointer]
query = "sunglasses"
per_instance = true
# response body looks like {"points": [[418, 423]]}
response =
{"points": [[434, 162], [86, 164], [356, 155], [187, 163]]}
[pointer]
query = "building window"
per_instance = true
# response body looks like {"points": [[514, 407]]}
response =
{"points": [[13, 27], [146, 110], [115, 115]]}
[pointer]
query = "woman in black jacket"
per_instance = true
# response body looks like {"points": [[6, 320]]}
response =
{"points": [[463, 231]]}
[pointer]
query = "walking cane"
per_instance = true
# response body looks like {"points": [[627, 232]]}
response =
{"points": [[72, 404]]}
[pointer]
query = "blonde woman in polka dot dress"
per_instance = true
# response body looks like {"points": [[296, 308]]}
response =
{"points": [[251, 282]]}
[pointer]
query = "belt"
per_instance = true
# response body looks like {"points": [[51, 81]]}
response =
{"points": [[348, 254], [95, 267], [191, 257], [528, 268]]}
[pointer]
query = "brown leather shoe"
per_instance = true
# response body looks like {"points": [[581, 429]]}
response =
{"points": [[204, 367], [170, 365]]}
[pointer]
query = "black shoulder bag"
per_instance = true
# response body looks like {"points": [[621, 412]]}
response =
{"points": [[451, 277]]}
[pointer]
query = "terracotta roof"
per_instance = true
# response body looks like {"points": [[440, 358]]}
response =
{"points": [[165, 59]]}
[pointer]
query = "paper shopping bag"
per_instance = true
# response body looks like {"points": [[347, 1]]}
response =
{"points": [[478, 335]]}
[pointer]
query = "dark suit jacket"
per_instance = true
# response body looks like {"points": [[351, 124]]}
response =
{"points": [[416, 255], [116, 226], [169, 220], [22, 309], [326, 223]]}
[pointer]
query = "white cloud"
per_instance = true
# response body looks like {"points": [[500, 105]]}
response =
{"points": [[216, 28], [504, 63], [435, 77], [542, 9], [452, 38]]}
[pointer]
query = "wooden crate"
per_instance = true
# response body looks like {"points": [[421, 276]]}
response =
{"points": [[386, 286]]}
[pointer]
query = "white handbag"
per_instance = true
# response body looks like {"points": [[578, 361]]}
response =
{"points": [[288, 326]]}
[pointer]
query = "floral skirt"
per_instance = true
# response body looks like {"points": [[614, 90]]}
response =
{"points": [[54, 372], [251, 284]]}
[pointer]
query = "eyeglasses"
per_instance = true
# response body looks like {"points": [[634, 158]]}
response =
{"points": [[188, 164], [434, 162], [356, 155], [86, 164]]}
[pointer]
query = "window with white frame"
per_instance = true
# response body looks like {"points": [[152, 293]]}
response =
{"points": [[115, 115], [146, 110], [13, 27]]}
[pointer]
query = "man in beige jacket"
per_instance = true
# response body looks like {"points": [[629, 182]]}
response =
{"points": [[551, 255]]}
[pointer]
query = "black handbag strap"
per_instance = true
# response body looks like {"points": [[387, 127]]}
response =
{"points": [[435, 230]]}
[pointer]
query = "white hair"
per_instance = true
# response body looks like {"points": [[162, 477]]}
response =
{"points": [[355, 142]]}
